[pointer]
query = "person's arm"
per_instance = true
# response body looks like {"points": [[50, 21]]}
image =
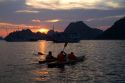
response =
{"points": [[65, 53]]}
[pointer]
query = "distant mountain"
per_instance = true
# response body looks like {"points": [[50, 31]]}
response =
{"points": [[83, 30], [24, 35], [117, 31]]}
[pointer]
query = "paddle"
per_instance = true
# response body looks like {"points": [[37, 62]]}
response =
{"points": [[65, 45], [39, 53]]}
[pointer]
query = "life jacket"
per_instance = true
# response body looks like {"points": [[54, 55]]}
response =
{"points": [[71, 57], [48, 57], [61, 57]]}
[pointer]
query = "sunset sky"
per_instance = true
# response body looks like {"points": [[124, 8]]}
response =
{"points": [[35, 14]]}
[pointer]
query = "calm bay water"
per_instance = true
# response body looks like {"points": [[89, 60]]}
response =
{"points": [[105, 62]]}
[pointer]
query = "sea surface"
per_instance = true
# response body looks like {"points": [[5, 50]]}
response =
{"points": [[104, 63]]}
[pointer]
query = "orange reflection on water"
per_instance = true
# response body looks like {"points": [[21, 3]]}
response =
{"points": [[41, 75], [42, 48], [42, 72], [39, 79]]}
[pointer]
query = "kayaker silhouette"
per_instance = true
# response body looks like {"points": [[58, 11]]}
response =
{"points": [[61, 56], [71, 56], [49, 56]]}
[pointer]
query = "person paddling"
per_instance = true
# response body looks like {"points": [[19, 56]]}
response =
{"points": [[49, 56], [71, 56], [61, 56]]}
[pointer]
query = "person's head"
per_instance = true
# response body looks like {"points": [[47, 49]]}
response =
{"points": [[50, 52], [61, 52], [72, 53]]}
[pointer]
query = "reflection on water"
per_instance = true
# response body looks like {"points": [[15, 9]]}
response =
{"points": [[105, 62], [42, 48], [41, 74]]}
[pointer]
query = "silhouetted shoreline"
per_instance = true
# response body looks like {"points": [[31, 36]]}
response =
{"points": [[74, 32]]}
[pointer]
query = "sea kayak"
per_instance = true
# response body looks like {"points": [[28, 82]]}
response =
{"points": [[62, 64]]}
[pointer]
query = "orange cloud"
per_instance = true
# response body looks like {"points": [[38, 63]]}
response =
{"points": [[6, 28], [36, 21]]}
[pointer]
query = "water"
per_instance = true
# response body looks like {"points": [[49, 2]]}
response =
{"points": [[105, 62]]}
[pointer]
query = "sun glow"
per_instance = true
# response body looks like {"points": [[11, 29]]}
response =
{"points": [[42, 30]]}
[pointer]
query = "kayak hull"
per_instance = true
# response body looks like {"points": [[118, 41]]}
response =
{"points": [[47, 61]]}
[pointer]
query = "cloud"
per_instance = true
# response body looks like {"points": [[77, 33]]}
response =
{"points": [[48, 21], [74, 4], [6, 28], [5, 25], [27, 11], [36, 21], [1, 1], [105, 18], [53, 20], [12, 26]]}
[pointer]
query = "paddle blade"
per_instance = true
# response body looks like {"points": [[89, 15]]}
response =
{"points": [[40, 53]]}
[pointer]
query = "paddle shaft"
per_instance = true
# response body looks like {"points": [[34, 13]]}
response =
{"points": [[65, 46]]}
